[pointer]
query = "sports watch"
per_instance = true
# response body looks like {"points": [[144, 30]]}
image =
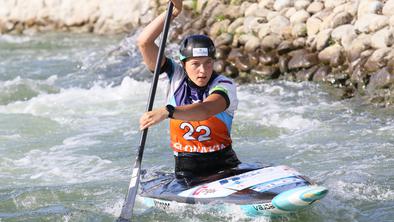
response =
{"points": [[171, 110]]}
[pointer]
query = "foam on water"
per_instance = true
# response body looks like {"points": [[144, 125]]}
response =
{"points": [[20, 89], [73, 102], [14, 39], [265, 105], [61, 164]]}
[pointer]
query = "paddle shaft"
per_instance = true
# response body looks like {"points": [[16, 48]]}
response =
{"points": [[127, 209]]}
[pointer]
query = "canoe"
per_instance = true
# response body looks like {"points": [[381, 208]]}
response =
{"points": [[268, 191]]}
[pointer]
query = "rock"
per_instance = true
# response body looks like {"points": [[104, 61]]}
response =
{"points": [[252, 23], [390, 66], [380, 80], [359, 77], [231, 71], [234, 54], [371, 23], [332, 55], [299, 42], [219, 28], [360, 44], [378, 59], [306, 74], [243, 64], [222, 51], [219, 66], [254, 58], [283, 61], [255, 10], [268, 58], [341, 18], [333, 3], [300, 61], [223, 39], [369, 7], [233, 12], [344, 34], [290, 12], [382, 38], [264, 30], [321, 74], [197, 24], [285, 47], [301, 4], [281, 4], [313, 25], [391, 21], [315, 7], [388, 8], [265, 72], [322, 39], [270, 42], [201, 4], [278, 24], [299, 30], [245, 37], [299, 17], [235, 24]]}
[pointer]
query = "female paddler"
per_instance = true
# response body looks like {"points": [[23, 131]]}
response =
{"points": [[201, 104]]}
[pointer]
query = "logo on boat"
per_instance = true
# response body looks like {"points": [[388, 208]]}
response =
{"points": [[204, 190], [161, 205], [264, 206]]}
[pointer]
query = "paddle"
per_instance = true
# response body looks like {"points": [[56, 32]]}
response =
{"points": [[127, 209]]}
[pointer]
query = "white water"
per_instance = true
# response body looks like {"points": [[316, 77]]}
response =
{"points": [[69, 110]]}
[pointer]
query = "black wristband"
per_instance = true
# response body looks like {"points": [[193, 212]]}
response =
{"points": [[171, 110]]}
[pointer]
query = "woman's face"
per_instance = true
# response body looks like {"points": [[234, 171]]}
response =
{"points": [[199, 70]]}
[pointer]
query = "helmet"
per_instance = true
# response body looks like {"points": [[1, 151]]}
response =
{"points": [[196, 46]]}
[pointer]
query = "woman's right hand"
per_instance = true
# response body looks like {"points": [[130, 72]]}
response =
{"points": [[177, 7]]}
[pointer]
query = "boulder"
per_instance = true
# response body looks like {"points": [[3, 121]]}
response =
{"points": [[380, 80], [388, 8], [332, 55], [278, 24], [268, 58], [371, 23], [369, 7], [281, 4], [300, 61], [382, 38], [315, 7], [344, 34], [299, 17], [270, 42], [322, 39], [321, 74], [313, 25], [306, 74], [378, 59], [252, 44]]}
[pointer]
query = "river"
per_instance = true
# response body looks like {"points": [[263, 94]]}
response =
{"points": [[69, 110]]}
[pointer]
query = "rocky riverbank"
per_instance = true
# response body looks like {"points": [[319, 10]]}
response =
{"points": [[344, 43], [103, 17]]}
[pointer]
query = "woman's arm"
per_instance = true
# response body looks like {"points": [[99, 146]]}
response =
{"points": [[146, 40], [212, 105]]}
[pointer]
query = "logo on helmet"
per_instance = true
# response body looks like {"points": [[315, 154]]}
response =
{"points": [[200, 52], [197, 46]]}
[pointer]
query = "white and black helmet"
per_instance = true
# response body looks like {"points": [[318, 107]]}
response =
{"points": [[196, 46]]}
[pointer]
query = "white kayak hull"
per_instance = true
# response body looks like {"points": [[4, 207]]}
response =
{"points": [[277, 190]]}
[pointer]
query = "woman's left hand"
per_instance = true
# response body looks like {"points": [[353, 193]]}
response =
{"points": [[153, 117]]}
